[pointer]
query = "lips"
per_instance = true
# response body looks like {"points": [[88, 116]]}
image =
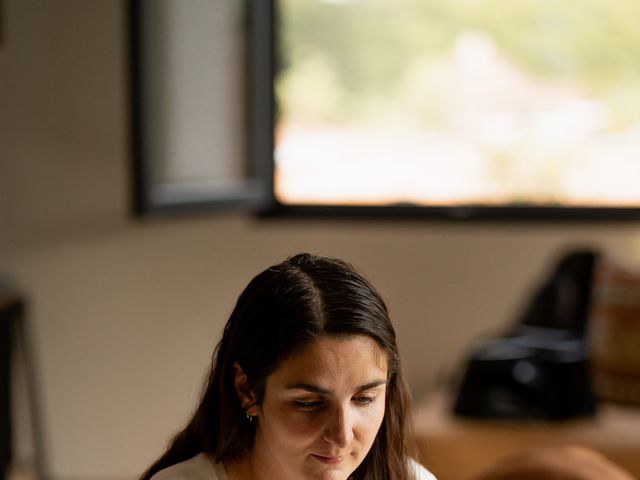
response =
{"points": [[329, 460]]}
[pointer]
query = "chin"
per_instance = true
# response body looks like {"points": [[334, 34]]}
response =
{"points": [[341, 472], [333, 475]]}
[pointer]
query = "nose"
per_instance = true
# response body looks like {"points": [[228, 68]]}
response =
{"points": [[339, 428]]}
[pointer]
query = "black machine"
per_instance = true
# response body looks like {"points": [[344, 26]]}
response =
{"points": [[540, 368]]}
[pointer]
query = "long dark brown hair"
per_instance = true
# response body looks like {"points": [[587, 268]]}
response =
{"points": [[283, 309]]}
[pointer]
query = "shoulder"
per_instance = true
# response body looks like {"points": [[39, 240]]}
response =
{"points": [[200, 467], [421, 473]]}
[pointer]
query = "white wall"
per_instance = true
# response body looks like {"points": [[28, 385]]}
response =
{"points": [[125, 312]]}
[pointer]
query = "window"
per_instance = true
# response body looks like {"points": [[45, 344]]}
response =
{"points": [[454, 107], [188, 97], [439, 108]]}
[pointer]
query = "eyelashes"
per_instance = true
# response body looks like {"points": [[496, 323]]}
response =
{"points": [[308, 406], [365, 399], [314, 405]]}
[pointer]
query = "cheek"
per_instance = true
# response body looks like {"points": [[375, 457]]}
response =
{"points": [[372, 419], [294, 426]]}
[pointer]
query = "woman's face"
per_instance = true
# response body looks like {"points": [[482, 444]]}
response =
{"points": [[321, 410]]}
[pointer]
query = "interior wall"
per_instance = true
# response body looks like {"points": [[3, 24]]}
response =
{"points": [[125, 312]]}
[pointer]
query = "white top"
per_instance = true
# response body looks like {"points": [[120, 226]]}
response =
{"points": [[200, 467], [203, 467]]}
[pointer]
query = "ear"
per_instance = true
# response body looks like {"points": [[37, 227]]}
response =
{"points": [[245, 394]]}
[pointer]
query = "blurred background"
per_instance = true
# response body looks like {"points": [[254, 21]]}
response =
{"points": [[446, 102], [124, 313]]}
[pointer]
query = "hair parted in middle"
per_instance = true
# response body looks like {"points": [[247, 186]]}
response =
{"points": [[281, 311]]}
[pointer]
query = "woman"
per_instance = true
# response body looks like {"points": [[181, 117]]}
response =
{"points": [[306, 383]]}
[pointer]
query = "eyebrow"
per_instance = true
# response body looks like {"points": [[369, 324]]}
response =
{"points": [[323, 391]]}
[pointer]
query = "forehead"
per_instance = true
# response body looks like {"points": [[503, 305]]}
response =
{"points": [[340, 362]]}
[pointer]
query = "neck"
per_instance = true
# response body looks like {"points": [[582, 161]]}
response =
{"points": [[249, 467], [240, 469]]}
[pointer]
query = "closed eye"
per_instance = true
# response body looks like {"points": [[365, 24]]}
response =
{"points": [[364, 399], [308, 405]]}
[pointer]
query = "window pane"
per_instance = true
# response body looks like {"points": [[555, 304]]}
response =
{"points": [[454, 102]]}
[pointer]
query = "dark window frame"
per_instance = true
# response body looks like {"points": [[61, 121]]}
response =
{"points": [[264, 21], [256, 194]]}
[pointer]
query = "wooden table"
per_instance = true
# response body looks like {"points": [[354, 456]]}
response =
{"points": [[454, 448]]}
